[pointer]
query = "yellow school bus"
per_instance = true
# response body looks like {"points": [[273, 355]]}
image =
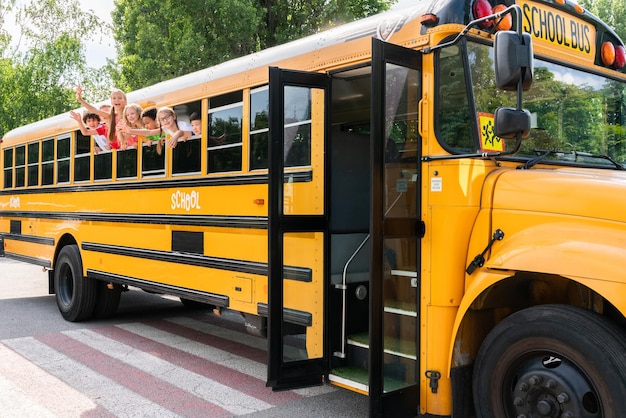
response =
{"points": [[427, 206]]}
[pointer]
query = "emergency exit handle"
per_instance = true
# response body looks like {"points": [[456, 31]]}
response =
{"points": [[479, 260]]}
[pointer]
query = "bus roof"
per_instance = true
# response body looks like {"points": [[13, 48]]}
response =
{"points": [[159, 93], [251, 70]]}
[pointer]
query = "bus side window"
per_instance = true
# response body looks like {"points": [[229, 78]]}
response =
{"points": [[20, 166], [259, 127], [186, 157], [8, 168], [33, 164], [127, 163], [63, 160], [224, 149], [47, 162], [102, 165], [82, 157]]}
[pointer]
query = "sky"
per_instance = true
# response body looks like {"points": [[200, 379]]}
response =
{"points": [[96, 53]]}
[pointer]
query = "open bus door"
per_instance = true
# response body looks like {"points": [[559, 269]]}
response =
{"points": [[298, 228], [396, 230]]}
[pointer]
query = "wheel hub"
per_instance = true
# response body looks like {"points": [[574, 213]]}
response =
{"points": [[551, 387]]}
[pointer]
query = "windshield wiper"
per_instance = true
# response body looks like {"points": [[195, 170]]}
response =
{"points": [[533, 161], [600, 156], [543, 153]]}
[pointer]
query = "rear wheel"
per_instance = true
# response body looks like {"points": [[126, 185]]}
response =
{"points": [[551, 361], [75, 294]]}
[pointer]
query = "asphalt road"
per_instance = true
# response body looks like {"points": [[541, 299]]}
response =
{"points": [[153, 358]]}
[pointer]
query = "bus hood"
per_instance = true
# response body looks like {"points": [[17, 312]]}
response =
{"points": [[599, 194], [564, 221]]}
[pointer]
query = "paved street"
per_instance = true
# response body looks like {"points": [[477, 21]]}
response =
{"points": [[154, 358]]}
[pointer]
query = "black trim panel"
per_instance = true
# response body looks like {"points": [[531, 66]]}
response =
{"points": [[210, 298], [289, 315], [29, 238], [15, 226], [296, 176], [188, 242], [256, 222], [31, 260], [239, 266]]}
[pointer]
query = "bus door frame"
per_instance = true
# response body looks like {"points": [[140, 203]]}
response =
{"points": [[402, 402], [281, 374]]}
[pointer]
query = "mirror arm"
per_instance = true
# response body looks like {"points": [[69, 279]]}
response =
{"points": [[473, 23]]}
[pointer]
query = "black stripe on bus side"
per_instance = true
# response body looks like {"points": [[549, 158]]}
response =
{"points": [[301, 274], [31, 260], [29, 238], [293, 177], [210, 298], [254, 222], [289, 315]]}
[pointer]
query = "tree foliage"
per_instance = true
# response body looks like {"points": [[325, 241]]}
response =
{"points": [[6, 6], [43, 62], [613, 12], [158, 40]]}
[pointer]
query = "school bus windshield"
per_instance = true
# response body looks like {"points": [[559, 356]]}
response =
{"points": [[573, 111]]}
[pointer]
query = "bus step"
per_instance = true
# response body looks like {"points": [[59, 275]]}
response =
{"points": [[357, 351], [351, 378]]}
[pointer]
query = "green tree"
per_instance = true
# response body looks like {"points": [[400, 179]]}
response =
{"points": [[613, 12], [40, 68], [158, 40]]}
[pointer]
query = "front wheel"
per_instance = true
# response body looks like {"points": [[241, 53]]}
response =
{"points": [[75, 294], [551, 361]]}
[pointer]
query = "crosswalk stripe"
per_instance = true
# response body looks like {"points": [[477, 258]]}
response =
{"points": [[206, 333], [138, 371], [193, 357], [22, 382], [102, 389], [200, 366], [203, 348], [228, 398], [220, 329]]}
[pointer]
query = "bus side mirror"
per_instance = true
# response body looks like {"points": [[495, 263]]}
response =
{"points": [[513, 60], [510, 122]]}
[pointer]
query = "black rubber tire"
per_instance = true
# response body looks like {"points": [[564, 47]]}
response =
{"points": [[75, 294], [551, 361], [107, 299]]}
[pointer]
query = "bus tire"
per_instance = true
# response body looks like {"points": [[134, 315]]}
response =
{"points": [[108, 297], [75, 294], [551, 361]]}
